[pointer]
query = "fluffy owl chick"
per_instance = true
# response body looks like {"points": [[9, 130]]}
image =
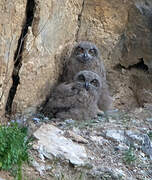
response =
{"points": [[76, 100], [86, 56]]}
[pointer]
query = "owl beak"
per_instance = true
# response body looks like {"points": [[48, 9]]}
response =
{"points": [[85, 57], [87, 86]]}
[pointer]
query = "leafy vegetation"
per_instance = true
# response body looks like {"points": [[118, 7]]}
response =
{"points": [[150, 135], [129, 156], [14, 146]]}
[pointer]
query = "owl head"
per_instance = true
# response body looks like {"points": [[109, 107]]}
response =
{"points": [[89, 81], [85, 52]]}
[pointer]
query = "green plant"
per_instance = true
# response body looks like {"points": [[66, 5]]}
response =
{"points": [[150, 135], [129, 156], [14, 146]]}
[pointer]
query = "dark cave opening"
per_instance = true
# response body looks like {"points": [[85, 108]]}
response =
{"points": [[140, 65], [29, 16]]}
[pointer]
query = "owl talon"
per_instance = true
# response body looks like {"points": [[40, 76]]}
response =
{"points": [[100, 113]]}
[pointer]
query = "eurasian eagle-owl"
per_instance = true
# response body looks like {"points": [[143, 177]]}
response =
{"points": [[86, 56], [77, 99]]}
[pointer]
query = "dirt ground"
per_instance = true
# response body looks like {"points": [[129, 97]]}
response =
{"points": [[108, 158]]}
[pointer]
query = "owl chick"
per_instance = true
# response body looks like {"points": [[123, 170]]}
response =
{"points": [[86, 56], [76, 100]]}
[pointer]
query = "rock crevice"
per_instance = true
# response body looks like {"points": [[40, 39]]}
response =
{"points": [[29, 15], [43, 34], [79, 20]]}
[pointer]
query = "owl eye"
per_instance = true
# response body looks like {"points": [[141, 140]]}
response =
{"points": [[92, 52], [79, 50], [81, 78], [95, 82]]}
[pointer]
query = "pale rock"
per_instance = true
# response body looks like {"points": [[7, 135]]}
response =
{"points": [[99, 140], [149, 119], [134, 136], [52, 143], [122, 147], [2, 178], [69, 121], [108, 172], [140, 140], [147, 146], [40, 167], [117, 135], [75, 137]]}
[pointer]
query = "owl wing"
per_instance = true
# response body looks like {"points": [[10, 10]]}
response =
{"points": [[67, 71], [71, 67], [105, 100], [62, 99], [66, 90]]}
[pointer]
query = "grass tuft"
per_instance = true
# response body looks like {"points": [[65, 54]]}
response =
{"points": [[129, 156]]}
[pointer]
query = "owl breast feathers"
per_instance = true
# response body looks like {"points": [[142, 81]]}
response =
{"points": [[77, 99]]}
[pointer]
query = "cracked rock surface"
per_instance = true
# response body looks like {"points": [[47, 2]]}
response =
{"points": [[122, 30], [12, 16]]}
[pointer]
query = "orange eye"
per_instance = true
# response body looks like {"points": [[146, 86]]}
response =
{"points": [[79, 50], [95, 82], [81, 78], [92, 52]]}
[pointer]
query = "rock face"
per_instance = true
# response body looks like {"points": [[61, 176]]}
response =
{"points": [[103, 22], [121, 29], [12, 15], [49, 34]]}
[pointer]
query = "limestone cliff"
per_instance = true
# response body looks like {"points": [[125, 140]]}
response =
{"points": [[43, 32]]}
